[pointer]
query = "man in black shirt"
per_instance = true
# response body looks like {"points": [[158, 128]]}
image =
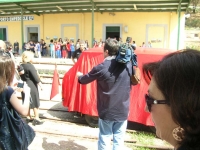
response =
{"points": [[78, 52]]}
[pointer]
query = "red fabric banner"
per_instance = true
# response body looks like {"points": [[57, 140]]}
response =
{"points": [[82, 98], [55, 84]]}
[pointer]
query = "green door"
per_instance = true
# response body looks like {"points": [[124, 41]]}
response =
{"points": [[3, 34], [113, 32]]}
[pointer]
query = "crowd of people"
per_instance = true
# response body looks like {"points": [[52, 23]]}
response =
{"points": [[57, 48]]}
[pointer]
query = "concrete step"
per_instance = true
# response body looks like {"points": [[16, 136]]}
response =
{"points": [[47, 60], [52, 105], [62, 116]]}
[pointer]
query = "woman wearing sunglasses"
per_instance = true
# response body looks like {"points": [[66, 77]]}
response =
{"points": [[173, 98]]}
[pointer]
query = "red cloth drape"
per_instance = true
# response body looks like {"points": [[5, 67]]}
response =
{"points": [[82, 98], [55, 84]]}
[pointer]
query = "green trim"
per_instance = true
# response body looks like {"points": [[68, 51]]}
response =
{"points": [[27, 9], [22, 26], [92, 23], [38, 7], [89, 11]]}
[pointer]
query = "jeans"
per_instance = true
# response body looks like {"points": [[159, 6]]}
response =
{"points": [[107, 129], [44, 52], [58, 53], [52, 54], [69, 54]]}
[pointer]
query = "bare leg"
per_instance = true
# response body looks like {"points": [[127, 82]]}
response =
{"points": [[29, 114], [36, 112]]}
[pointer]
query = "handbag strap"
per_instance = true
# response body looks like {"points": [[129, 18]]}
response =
{"points": [[4, 102]]}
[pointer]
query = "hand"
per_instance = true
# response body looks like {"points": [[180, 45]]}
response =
{"points": [[78, 74], [19, 89]]}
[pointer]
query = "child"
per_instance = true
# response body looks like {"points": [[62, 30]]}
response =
{"points": [[58, 50], [52, 49], [72, 47], [64, 53]]}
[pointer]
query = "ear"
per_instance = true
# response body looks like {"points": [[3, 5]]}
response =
{"points": [[106, 51]]}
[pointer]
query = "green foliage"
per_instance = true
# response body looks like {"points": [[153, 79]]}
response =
{"points": [[146, 140], [142, 148], [192, 22], [193, 46]]}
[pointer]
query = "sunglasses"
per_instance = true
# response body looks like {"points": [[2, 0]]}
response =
{"points": [[150, 101]]}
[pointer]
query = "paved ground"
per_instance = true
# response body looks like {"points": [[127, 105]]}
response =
{"points": [[62, 135]]}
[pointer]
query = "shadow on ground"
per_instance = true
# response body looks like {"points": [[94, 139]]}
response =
{"points": [[58, 111], [62, 145]]}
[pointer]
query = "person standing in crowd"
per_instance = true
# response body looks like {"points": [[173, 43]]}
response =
{"points": [[31, 77], [173, 98], [95, 44], [94, 40], [86, 45], [149, 45], [77, 44], [16, 47], [23, 47], [134, 44], [120, 41], [43, 48], [113, 96], [61, 46], [27, 46], [58, 51], [72, 47], [143, 44], [78, 52], [31, 46], [52, 49], [64, 51], [68, 48], [38, 49], [7, 49]]}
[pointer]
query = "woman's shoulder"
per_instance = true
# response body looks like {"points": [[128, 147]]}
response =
{"points": [[8, 92], [27, 65]]}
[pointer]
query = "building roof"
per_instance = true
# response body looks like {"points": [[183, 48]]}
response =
{"points": [[13, 7]]}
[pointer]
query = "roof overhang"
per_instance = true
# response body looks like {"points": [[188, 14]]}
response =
{"points": [[14, 7]]}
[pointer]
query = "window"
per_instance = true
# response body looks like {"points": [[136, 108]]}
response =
{"points": [[3, 35]]}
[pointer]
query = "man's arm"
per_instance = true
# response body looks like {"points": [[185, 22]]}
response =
{"points": [[89, 77]]}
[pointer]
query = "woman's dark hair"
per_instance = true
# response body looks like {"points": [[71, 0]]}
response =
{"points": [[112, 46], [177, 75], [7, 71], [60, 40]]}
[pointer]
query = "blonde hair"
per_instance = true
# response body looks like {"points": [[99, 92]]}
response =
{"points": [[2, 45], [27, 56], [7, 71]]}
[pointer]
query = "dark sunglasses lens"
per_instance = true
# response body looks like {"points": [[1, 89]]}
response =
{"points": [[147, 98]]}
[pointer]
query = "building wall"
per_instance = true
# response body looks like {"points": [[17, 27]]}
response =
{"points": [[159, 28]]}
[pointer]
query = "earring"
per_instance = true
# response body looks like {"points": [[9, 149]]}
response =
{"points": [[178, 133]]}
